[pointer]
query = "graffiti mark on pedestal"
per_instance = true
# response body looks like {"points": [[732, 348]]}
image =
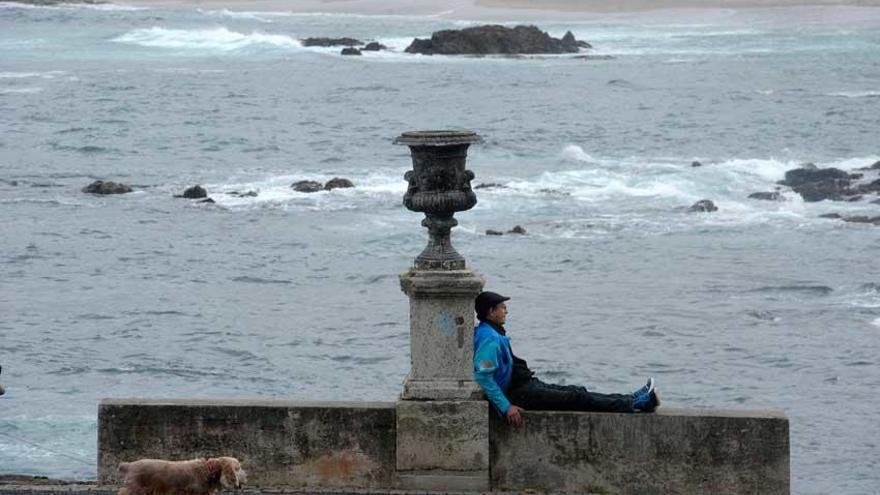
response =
{"points": [[446, 323]]}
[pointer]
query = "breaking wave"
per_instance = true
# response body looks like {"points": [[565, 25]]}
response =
{"points": [[218, 39]]}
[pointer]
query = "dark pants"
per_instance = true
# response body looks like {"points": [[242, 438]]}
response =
{"points": [[539, 396]]}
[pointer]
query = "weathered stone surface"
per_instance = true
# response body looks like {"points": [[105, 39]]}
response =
{"points": [[338, 183], [107, 187], [194, 192], [671, 451], [307, 186], [494, 40], [349, 50], [327, 42], [767, 196], [441, 444], [703, 205], [447, 435], [300, 445], [280, 443], [441, 334]]}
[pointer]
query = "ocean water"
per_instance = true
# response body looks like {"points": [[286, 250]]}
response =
{"points": [[760, 305]]}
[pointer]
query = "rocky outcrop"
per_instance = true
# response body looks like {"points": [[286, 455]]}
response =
{"points": [[246, 194], [307, 186], [374, 46], [767, 196], [108, 187], [490, 185], [818, 184], [852, 219], [338, 183], [194, 192], [862, 219], [495, 40], [703, 205], [696, 164], [328, 42], [350, 50], [516, 230]]}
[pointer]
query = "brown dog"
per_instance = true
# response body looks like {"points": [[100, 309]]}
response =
{"points": [[195, 477]]}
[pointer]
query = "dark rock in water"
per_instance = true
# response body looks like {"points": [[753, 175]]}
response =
{"points": [[853, 199], [517, 230], [327, 42], [595, 57], [494, 232], [307, 186], [554, 192], [767, 196], [817, 184], [875, 166], [374, 46], [703, 205], [350, 51], [493, 40], [246, 194], [862, 219], [569, 41], [194, 192], [809, 166], [207, 200], [696, 164], [871, 187], [338, 183], [799, 176], [490, 185], [108, 187], [831, 215]]}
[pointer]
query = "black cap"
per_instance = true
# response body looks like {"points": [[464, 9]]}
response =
{"points": [[486, 301]]}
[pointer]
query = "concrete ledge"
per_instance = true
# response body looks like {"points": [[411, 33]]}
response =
{"points": [[672, 451], [350, 447], [281, 443]]}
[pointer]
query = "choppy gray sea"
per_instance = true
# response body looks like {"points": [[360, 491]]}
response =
{"points": [[760, 305]]}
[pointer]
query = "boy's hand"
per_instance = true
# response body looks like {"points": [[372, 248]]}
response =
{"points": [[514, 416]]}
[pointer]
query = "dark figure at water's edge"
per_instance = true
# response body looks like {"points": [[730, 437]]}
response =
{"points": [[512, 387]]}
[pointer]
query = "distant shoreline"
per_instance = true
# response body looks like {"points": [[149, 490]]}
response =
{"points": [[491, 9]]}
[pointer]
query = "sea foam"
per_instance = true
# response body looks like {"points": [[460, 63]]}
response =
{"points": [[218, 39]]}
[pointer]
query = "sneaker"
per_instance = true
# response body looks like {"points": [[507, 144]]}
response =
{"points": [[646, 389], [645, 399]]}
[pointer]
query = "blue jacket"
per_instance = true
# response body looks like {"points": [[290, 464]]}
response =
{"points": [[493, 364]]}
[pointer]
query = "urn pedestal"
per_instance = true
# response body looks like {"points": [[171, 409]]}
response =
{"points": [[442, 421]]}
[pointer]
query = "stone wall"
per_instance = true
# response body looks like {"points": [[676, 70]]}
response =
{"points": [[671, 451], [353, 445], [280, 443]]}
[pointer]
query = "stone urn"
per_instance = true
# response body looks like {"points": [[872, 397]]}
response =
{"points": [[439, 186]]}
